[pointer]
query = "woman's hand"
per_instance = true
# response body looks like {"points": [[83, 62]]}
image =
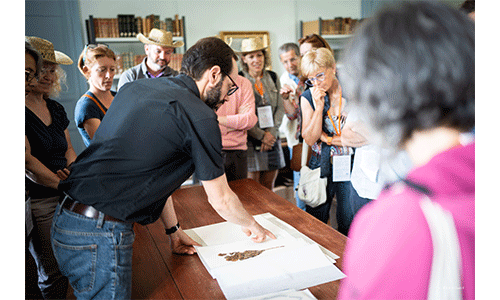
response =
{"points": [[267, 142], [181, 243], [318, 95]]}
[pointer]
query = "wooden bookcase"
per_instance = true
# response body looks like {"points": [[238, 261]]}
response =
{"points": [[335, 32], [130, 47]]}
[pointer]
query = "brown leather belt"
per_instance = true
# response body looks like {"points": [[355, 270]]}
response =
{"points": [[85, 210]]}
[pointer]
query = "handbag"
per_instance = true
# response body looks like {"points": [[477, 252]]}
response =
{"points": [[296, 161], [311, 188]]}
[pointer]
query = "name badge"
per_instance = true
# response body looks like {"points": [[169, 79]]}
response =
{"points": [[341, 168], [265, 116]]}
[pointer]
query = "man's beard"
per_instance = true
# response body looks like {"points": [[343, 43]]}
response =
{"points": [[213, 97]]}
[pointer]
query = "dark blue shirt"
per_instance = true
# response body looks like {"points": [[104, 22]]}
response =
{"points": [[156, 133], [86, 109], [48, 144]]}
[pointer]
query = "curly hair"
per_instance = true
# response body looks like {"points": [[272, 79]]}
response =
{"points": [[412, 68]]}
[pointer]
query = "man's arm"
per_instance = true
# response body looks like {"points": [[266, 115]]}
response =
{"points": [[229, 207], [180, 242]]}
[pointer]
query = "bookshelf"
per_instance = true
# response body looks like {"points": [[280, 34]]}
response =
{"points": [[335, 31], [120, 34]]}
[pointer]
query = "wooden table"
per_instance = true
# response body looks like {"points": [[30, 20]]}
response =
{"points": [[159, 274]]}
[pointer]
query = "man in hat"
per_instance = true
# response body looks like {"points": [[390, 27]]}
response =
{"points": [[158, 134], [159, 47]]}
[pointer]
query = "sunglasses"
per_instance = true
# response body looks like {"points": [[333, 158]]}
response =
{"points": [[91, 46]]}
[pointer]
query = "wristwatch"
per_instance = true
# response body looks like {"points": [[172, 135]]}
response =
{"points": [[171, 230]]}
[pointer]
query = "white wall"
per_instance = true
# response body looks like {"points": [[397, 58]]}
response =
{"points": [[208, 17]]}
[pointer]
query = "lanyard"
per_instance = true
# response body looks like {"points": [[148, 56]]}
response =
{"points": [[259, 88], [339, 131]]}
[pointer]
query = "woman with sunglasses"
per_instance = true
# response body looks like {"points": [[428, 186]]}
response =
{"points": [[97, 63], [49, 154], [323, 118], [265, 155]]}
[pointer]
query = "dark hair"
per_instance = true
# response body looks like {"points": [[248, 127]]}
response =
{"points": [[468, 6], [412, 68], [287, 47], [36, 55], [316, 41], [205, 54]]}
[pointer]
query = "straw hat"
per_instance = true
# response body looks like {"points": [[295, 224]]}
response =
{"points": [[251, 45], [160, 37], [47, 51]]}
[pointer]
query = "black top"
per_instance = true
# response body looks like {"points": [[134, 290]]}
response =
{"points": [[48, 144], [156, 132]]}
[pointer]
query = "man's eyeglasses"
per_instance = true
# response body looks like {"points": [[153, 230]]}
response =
{"points": [[234, 88], [320, 77], [30, 75]]}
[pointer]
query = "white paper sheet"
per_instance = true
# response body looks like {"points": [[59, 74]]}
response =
{"points": [[212, 261], [300, 264], [286, 295], [293, 269]]}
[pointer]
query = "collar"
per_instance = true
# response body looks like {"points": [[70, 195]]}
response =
{"points": [[188, 82], [294, 78], [144, 69]]}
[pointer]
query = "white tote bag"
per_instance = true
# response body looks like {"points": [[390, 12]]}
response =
{"points": [[444, 283], [311, 188]]}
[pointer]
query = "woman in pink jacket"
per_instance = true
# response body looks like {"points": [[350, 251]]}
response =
{"points": [[236, 116], [411, 71]]}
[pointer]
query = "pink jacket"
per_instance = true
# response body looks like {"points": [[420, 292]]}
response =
{"points": [[240, 113], [389, 253]]}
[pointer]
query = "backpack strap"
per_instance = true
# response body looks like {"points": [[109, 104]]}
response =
{"points": [[96, 102]]}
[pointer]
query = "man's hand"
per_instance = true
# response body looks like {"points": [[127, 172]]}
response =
{"points": [[181, 243], [257, 232], [285, 91]]}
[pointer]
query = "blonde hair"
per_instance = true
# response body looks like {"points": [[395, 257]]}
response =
{"points": [[316, 59], [91, 56]]}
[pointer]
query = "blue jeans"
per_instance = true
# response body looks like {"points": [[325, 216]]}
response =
{"points": [[342, 190], [94, 254]]}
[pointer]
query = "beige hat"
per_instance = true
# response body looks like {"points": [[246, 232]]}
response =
{"points": [[47, 51], [160, 37], [251, 45]]}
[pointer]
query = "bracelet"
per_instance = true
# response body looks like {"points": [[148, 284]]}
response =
{"points": [[329, 140], [171, 230]]}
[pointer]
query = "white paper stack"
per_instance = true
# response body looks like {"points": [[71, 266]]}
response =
{"points": [[292, 261]]}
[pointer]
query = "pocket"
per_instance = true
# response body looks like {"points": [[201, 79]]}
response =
{"points": [[78, 263], [124, 246]]}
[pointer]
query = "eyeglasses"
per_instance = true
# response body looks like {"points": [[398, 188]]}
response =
{"points": [[234, 88], [91, 46], [30, 75], [320, 77]]}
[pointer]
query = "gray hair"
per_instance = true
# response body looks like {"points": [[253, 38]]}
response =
{"points": [[412, 68], [287, 47], [36, 55]]}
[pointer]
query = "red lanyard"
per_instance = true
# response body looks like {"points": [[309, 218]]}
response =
{"points": [[339, 131]]}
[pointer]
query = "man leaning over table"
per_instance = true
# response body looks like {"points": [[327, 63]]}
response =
{"points": [[159, 47], [156, 134]]}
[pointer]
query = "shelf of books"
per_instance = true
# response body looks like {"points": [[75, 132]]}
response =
{"points": [[121, 33]]}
